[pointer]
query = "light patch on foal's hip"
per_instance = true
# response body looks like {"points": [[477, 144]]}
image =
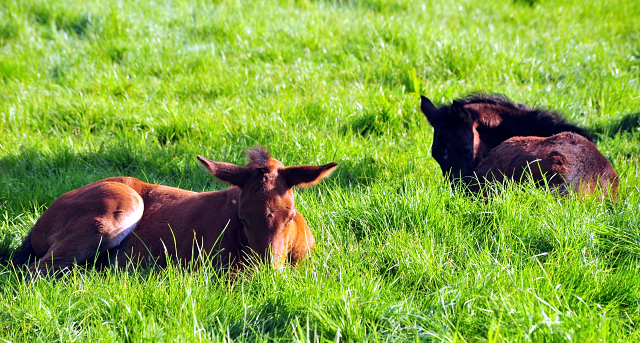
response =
{"points": [[127, 224]]}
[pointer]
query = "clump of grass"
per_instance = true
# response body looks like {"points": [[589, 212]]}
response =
{"points": [[375, 123], [106, 88]]}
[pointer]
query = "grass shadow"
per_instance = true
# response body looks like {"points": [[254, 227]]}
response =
{"points": [[270, 319], [627, 123], [372, 5], [72, 20], [358, 171], [376, 123]]}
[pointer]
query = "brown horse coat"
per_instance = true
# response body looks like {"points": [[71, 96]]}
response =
{"points": [[565, 161], [122, 219]]}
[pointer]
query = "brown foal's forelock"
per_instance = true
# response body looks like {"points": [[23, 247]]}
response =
{"points": [[123, 220]]}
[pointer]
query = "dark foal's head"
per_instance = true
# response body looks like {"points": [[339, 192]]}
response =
{"points": [[266, 207], [456, 145]]}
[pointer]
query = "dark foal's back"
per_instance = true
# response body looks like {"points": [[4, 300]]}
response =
{"points": [[466, 130], [565, 162]]}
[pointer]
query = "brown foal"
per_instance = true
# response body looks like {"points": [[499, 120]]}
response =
{"points": [[123, 220]]}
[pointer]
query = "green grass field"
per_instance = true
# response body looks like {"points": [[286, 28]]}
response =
{"points": [[95, 89]]}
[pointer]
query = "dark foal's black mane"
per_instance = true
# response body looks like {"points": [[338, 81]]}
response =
{"points": [[519, 119]]}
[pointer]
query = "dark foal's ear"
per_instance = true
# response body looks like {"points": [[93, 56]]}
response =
{"points": [[306, 175], [458, 110], [226, 172], [430, 111]]}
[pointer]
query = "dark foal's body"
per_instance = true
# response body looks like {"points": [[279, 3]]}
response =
{"points": [[565, 162], [466, 130], [123, 220], [488, 136]]}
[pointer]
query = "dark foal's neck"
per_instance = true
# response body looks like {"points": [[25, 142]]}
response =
{"points": [[500, 119]]}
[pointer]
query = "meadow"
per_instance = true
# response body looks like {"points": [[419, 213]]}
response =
{"points": [[95, 89]]}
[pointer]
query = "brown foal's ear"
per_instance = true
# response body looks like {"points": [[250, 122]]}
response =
{"points": [[458, 110], [226, 172], [430, 111], [306, 175]]}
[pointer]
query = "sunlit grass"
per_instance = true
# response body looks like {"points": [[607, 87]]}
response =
{"points": [[95, 89]]}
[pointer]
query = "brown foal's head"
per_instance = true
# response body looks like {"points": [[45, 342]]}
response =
{"points": [[266, 208]]}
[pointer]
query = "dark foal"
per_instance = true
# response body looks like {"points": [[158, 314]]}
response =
{"points": [[128, 220], [466, 130], [565, 162]]}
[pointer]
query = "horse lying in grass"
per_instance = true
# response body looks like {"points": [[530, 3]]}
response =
{"points": [[564, 162], [466, 131], [123, 219]]}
